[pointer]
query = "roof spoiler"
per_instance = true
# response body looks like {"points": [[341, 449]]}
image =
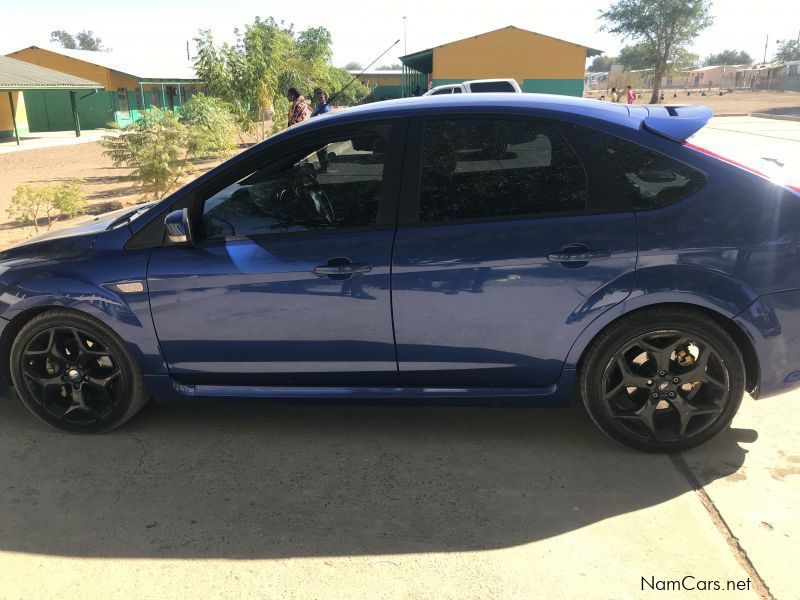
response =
{"points": [[676, 122]]}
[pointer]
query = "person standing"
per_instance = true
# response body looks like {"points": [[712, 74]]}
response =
{"points": [[614, 95], [299, 111], [322, 104], [631, 95]]}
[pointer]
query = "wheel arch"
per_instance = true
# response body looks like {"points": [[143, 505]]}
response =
{"points": [[738, 335]]}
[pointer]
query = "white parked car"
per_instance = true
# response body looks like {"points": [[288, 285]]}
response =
{"points": [[476, 86]]}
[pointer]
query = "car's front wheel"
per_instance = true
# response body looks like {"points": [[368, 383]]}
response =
{"points": [[75, 373], [663, 379]]}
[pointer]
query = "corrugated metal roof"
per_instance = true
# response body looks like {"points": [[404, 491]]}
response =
{"points": [[20, 75], [167, 67]]}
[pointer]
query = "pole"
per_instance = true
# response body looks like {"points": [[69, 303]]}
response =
{"points": [[75, 118], [13, 115], [405, 42], [765, 49]]}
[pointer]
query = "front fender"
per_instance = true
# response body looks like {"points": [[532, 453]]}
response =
{"points": [[89, 285]]}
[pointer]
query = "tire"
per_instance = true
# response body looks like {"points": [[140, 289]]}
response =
{"points": [[662, 379], [75, 373]]}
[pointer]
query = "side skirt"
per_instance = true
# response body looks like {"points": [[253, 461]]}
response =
{"points": [[167, 391]]}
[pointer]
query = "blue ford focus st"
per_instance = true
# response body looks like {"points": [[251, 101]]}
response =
{"points": [[517, 248]]}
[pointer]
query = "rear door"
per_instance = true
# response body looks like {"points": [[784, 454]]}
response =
{"points": [[502, 255]]}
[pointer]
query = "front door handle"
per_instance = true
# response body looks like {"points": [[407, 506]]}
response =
{"points": [[577, 255], [341, 268]]}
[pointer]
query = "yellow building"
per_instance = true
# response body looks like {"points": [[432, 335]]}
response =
{"points": [[385, 84], [130, 85], [539, 63]]}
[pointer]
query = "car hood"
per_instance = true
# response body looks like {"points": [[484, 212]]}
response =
{"points": [[74, 240]]}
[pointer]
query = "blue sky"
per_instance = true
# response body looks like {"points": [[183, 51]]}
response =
{"points": [[362, 30]]}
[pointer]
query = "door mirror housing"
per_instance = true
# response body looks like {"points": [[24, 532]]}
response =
{"points": [[178, 226]]}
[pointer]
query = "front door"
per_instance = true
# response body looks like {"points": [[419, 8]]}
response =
{"points": [[508, 259], [287, 282]]}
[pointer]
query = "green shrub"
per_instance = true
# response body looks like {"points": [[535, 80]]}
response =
{"points": [[212, 126], [30, 204], [156, 147]]}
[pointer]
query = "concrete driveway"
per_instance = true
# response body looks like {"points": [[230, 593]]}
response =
{"points": [[389, 502], [392, 502]]}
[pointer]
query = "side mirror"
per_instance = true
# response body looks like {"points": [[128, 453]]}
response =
{"points": [[179, 229]]}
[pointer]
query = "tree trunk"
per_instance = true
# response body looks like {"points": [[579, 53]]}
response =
{"points": [[658, 75]]}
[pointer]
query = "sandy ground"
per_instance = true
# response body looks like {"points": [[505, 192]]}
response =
{"points": [[728, 103], [106, 186]]}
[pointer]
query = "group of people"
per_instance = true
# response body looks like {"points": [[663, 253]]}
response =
{"points": [[300, 110], [616, 96]]}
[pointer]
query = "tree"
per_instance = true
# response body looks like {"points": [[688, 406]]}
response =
{"points": [[728, 57], [156, 146], [88, 41], [602, 64], [392, 67], [64, 38], [787, 50], [212, 126], [83, 40], [31, 203], [254, 73], [635, 58], [353, 66], [662, 27]]}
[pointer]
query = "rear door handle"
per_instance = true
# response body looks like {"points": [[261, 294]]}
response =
{"points": [[341, 267], [584, 256]]}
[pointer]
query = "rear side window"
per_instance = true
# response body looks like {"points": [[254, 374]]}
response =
{"points": [[492, 168], [442, 91], [491, 86], [646, 178]]}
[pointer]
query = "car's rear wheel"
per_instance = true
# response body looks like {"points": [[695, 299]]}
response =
{"points": [[74, 373], [663, 380]]}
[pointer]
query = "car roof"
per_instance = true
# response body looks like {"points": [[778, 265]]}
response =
{"points": [[500, 102]]}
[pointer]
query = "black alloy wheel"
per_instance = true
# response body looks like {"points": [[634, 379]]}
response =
{"points": [[663, 381], [74, 373]]}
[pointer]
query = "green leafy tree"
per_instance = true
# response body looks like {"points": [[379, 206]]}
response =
{"points": [[787, 50], [602, 64], [266, 59], [352, 66], [662, 27], [391, 67], [728, 57], [635, 58], [157, 147], [63, 38], [69, 198], [83, 40], [212, 126]]}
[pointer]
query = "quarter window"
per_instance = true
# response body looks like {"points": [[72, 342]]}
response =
{"points": [[647, 179], [490, 168], [326, 186]]}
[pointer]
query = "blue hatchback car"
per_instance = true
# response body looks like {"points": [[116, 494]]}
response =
{"points": [[516, 248]]}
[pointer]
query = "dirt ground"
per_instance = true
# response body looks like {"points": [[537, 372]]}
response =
{"points": [[728, 104], [106, 186]]}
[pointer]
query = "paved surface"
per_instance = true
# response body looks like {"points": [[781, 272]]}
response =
{"points": [[383, 502], [769, 145], [49, 139]]}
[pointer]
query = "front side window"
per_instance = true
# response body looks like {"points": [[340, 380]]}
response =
{"points": [[490, 168], [646, 178], [328, 185]]}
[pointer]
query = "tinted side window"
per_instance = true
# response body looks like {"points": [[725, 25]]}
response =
{"points": [[326, 186], [473, 169], [442, 91], [645, 177], [491, 86]]}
